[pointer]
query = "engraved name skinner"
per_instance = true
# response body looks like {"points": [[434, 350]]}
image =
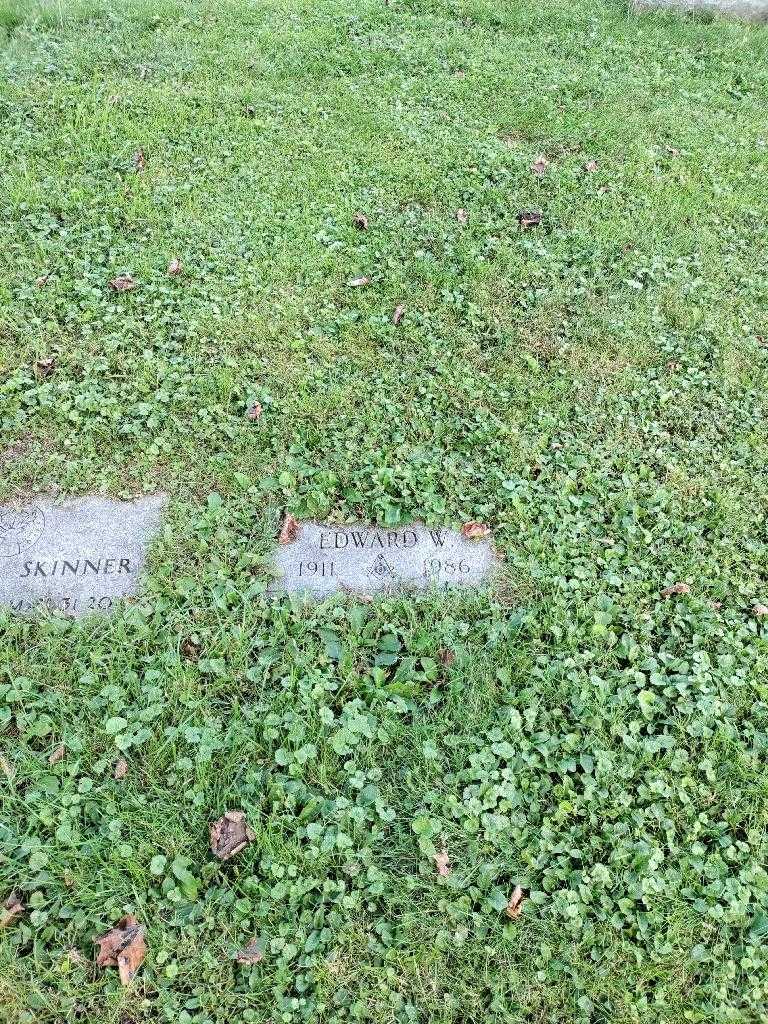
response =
{"points": [[77, 567]]}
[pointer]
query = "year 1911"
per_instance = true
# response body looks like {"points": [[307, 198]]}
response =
{"points": [[315, 568]]}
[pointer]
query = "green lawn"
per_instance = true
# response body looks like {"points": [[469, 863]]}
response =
{"points": [[594, 388]]}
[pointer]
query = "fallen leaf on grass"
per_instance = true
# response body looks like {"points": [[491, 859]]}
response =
{"points": [[442, 863], [289, 530], [515, 904], [10, 910], [190, 648], [529, 219], [139, 161], [174, 267], [230, 834], [123, 947], [250, 954], [676, 588], [57, 754], [255, 411], [446, 657], [121, 769], [122, 283], [360, 221], [590, 166], [475, 531], [760, 610], [44, 367], [462, 216], [397, 316], [540, 164], [358, 282]]}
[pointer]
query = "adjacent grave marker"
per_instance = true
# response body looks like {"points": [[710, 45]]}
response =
{"points": [[77, 556], [751, 10], [324, 559]]}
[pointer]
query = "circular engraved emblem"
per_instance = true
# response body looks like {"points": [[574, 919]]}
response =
{"points": [[381, 568], [20, 530]]}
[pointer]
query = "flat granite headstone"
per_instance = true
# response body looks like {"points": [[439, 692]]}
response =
{"points": [[76, 556], [325, 559], [750, 10]]}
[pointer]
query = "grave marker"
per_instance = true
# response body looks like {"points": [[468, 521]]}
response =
{"points": [[750, 10], [76, 556], [325, 559]]}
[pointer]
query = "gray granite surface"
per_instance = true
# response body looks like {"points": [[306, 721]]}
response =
{"points": [[366, 560], [751, 10], [77, 556]]}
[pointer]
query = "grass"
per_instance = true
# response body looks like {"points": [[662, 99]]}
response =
{"points": [[594, 388]]}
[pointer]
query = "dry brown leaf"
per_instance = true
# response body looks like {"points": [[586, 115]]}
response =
{"points": [[462, 216], [442, 863], [529, 219], [123, 947], [139, 161], [230, 834], [11, 910], [358, 282], [191, 648], [57, 754], [446, 657], [122, 283], [250, 954], [121, 769], [676, 588], [590, 166], [289, 530], [760, 610], [255, 411], [540, 164], [44, 367], [475, 531], [174, 267], [515, 904], [360, 221], [397, 316]]}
